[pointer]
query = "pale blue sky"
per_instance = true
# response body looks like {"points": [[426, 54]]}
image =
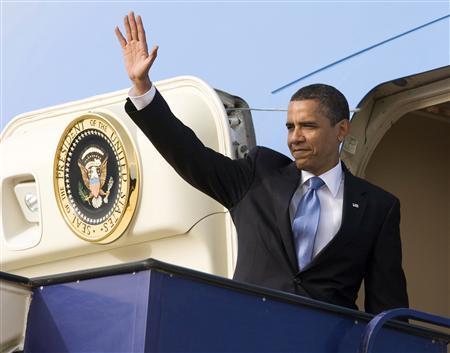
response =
{"points": [[56, 52]]}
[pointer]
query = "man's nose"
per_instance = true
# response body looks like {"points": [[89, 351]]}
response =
{"points": [[298, 136]]}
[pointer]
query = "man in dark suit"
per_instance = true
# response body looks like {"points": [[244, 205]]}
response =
{"points": [[307, 227]]}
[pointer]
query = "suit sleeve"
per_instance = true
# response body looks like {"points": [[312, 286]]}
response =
{"points": [[385, 283], [218, 176]]}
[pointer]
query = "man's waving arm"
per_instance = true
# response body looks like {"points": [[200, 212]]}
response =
{"points": [[138, 60], [220, 177]]}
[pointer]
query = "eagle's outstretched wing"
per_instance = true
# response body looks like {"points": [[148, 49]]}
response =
{"points": [[84, 174], [103, 171]]}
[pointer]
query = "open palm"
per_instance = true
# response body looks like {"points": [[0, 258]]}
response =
{"points": [[137, 59]]}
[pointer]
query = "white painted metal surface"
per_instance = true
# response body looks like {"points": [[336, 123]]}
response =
{"points": [[14, 304], [173, 222]]}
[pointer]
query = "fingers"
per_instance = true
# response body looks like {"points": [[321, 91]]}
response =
{"points": [[120, 37], [141, 33], [153, 55], [134, 30], [133, 27], [126, 23]]}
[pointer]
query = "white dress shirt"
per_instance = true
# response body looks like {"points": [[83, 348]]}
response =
{"points": [[140, 102], [331, 196]]}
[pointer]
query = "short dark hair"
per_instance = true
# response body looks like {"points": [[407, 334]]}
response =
{"points": [[332, 102]]}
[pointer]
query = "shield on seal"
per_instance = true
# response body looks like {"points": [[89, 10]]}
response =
{"points": [[93, 167]]}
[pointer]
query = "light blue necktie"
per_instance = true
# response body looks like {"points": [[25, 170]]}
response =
{"points": [[306, 221]]}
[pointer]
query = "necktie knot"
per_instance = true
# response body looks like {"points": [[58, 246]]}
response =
{"points": [[315, 183]]}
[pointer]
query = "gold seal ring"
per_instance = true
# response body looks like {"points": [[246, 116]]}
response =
{"points": [[96, 178]]}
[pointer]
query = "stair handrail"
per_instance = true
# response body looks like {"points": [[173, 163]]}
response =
{"points": [[374, 326]]}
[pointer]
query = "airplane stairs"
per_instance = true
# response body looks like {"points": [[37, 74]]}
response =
{"points": [[150, 306]]}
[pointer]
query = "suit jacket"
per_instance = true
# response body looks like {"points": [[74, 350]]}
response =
{"points": [[257, 191]]}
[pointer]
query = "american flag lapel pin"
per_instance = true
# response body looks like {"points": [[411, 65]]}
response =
{"points": [[355, 205]]}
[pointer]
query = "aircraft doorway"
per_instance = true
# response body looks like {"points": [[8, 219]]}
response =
{"points": [[412, 161]]}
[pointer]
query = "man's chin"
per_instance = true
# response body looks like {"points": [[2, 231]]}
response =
{"points": [[304, 165], [301, 165]]}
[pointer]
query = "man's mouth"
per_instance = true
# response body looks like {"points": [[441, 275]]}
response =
{"points": [[299, 152]]}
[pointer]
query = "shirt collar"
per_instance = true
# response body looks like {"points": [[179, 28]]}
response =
{"points": [[332, 178]]}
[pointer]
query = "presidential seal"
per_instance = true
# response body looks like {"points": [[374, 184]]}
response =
{"points": [[96, 178]]}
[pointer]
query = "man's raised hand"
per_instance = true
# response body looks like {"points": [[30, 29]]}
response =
{"points": [[135, 52]]}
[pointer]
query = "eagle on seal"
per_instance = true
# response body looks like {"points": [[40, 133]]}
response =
{"points": [[94, 172]]}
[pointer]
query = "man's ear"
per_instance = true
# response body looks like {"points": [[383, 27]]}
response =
{"points": [[343, 128]]}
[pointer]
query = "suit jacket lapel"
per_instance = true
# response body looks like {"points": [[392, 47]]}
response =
{"points": [[286, 186], [353, 207]]}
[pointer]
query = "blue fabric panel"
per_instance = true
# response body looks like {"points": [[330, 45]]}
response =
{"points": [[190, 316], [153, 311], [106, 314]]}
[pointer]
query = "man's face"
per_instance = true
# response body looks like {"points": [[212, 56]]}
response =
{"points": [[312, 140]]}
